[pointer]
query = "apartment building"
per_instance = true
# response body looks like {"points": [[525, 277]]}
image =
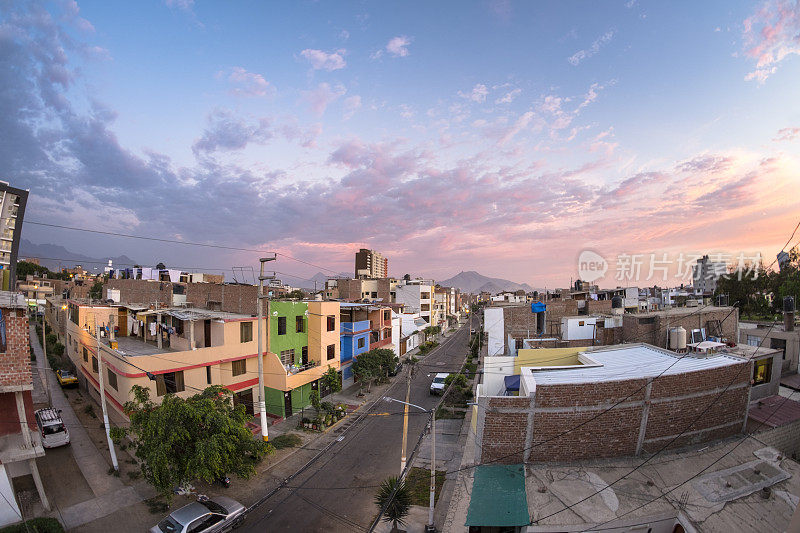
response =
{"points": [[705, 274], [303, 344], [12, 212], [20, 441], [168, 350], [782, 337], [371, 264], [700, 323], [418, 296], [354, 327], [357, 290]]}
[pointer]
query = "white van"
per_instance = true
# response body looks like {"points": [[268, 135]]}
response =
{"points": [[54, 432]]}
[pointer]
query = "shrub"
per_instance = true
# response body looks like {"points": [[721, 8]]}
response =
{"points": [[39, 525], [58, 349], [117, 434], [287, 440], [52, 338], [89, 410]]}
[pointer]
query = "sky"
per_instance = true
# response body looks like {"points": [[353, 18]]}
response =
{"points": [[495, 136]]}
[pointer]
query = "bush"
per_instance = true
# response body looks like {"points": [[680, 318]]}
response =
{"points": [[117, 434], [89, 410], [287, 440], [52, 338], [57, 349], [39, 525]]}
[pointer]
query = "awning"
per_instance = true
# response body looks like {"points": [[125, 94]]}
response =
{"points": [[538, 307], [512, 383], [498, 497]]}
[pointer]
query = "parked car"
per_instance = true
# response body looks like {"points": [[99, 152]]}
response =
{"points": [[51, 427], [203, 516], [437, 387], [397, 368], [65, 379]]}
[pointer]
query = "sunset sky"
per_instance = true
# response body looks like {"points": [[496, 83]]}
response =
{"points": [[493, 136]]}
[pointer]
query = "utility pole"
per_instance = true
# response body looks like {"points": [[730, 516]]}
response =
{"points": [[47, 364], [101, 380], [262, 404], [431, 527], [405, 423]]}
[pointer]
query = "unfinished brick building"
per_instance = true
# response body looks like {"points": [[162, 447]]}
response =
{"points": [[653, 327], [615, 401]]}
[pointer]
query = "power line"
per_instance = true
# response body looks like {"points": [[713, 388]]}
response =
{"points": [[175, 241]]}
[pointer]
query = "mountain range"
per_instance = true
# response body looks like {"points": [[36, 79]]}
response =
{"points": [[52, 256], [472, 282]]}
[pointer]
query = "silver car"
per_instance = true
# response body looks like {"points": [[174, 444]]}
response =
{"points": [[203, 516]]}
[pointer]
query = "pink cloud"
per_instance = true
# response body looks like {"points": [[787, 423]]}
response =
{"points": [[398, 46], [787, 134], [325, 60], [247, 83], [770, 35], [322, 96]]}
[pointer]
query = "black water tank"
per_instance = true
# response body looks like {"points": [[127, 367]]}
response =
{"points": [[616, 302], [788, 304]]}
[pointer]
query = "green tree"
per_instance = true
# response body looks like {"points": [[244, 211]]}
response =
{"points": [[331, 380], [200, 437], [296, 294], [394, 499], [96, 292], [161, 266]]}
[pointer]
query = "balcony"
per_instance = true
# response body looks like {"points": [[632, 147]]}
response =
{"points": [[349, 328], [380, 344], [278, 376]]}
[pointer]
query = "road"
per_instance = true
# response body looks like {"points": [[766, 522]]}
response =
{"points": [[336, 492]]}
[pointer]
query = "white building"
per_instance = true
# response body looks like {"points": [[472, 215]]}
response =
{"points": [[578, 328], [397, 331], [509, 297], [418, 296], [494, 325], [705, 274]]}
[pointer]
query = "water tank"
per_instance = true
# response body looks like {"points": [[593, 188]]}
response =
{"points": [[677, 338], [616, 302], [788, 304]]}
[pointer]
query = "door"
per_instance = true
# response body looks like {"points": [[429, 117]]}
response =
{"points": [[123, 323], [304, 356], [244, 398], [207, 333], [287, 404]]}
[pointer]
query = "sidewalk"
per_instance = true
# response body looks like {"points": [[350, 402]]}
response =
{"points": [[110, 493]]}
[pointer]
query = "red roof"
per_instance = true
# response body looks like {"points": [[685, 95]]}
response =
{"points": [[774, 411]]}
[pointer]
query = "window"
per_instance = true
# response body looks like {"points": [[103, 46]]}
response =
{"points": [[281, 325], [752, 340], [94, 364], [374, 294], [581, 323], [425, 295], [112, 379], [178, 324], [208, 375], [169, 383], [361, 342], [425, 307], [331, 323], [647, 320], [762, 371], [239, 367], [777, 344], [85, 355], [205, 523], [298, 324], [387, 315], [245, 331], [287, 357], [331, 351]]}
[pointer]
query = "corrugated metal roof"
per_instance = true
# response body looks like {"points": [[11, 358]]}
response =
{"points": [[630, 362]]}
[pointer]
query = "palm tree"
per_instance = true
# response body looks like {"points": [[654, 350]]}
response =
{"points": [[396, 507]]}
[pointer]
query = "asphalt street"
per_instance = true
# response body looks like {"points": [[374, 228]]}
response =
{"points": [[336, 493]]}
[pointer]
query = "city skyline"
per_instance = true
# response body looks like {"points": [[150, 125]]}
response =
{"points": [[506, 141]]}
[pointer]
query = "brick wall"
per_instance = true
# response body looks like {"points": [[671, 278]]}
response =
{"points": [[598, 306], [577, 421], [349, 289], [519, 321], [636, 330], [785, 438], [141, 291], [15, 369], [232, 298]]}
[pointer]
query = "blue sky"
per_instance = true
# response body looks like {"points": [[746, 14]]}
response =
{"points": [[451, 136]]}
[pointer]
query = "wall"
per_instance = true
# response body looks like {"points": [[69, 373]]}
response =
{"points": [[578, 328], [600, 307], [785, 438], [318, 335], [647, 415], [9, 418], [545, 357], [292, 339], [15, 369], [657, 332], [789, 362], [493, 319], [140, 291], [233, 298]]}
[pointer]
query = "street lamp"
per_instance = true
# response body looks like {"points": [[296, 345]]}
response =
{"points": [[430, 526]]}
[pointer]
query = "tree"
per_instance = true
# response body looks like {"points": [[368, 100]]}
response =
{"points": [[331, 380], [394, 499], [161, 266], [96, 292], [296, 294], [200, 437], [364, 371]]}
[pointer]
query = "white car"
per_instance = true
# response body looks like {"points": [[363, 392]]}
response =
{"points": [[437, 387], [203, 516], [51, 427]]}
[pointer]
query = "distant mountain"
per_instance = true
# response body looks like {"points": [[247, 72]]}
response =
{"points": [[52, 256], [473, 282]]}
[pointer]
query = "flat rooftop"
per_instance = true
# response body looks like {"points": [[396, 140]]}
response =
{"points": [[685, 311], [718, 488], [625, 362], [134, 346], [774, 411]]}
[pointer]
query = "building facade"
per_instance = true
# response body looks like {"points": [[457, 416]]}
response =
{"points": [[354, 327], [12, 212], [371, 264]]}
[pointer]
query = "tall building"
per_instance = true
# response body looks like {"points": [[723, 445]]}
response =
{"points": [[12, 210], [371, 264], [705, 274]]}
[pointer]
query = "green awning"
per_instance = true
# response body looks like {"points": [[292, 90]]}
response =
{"points": [[498, 497]]}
